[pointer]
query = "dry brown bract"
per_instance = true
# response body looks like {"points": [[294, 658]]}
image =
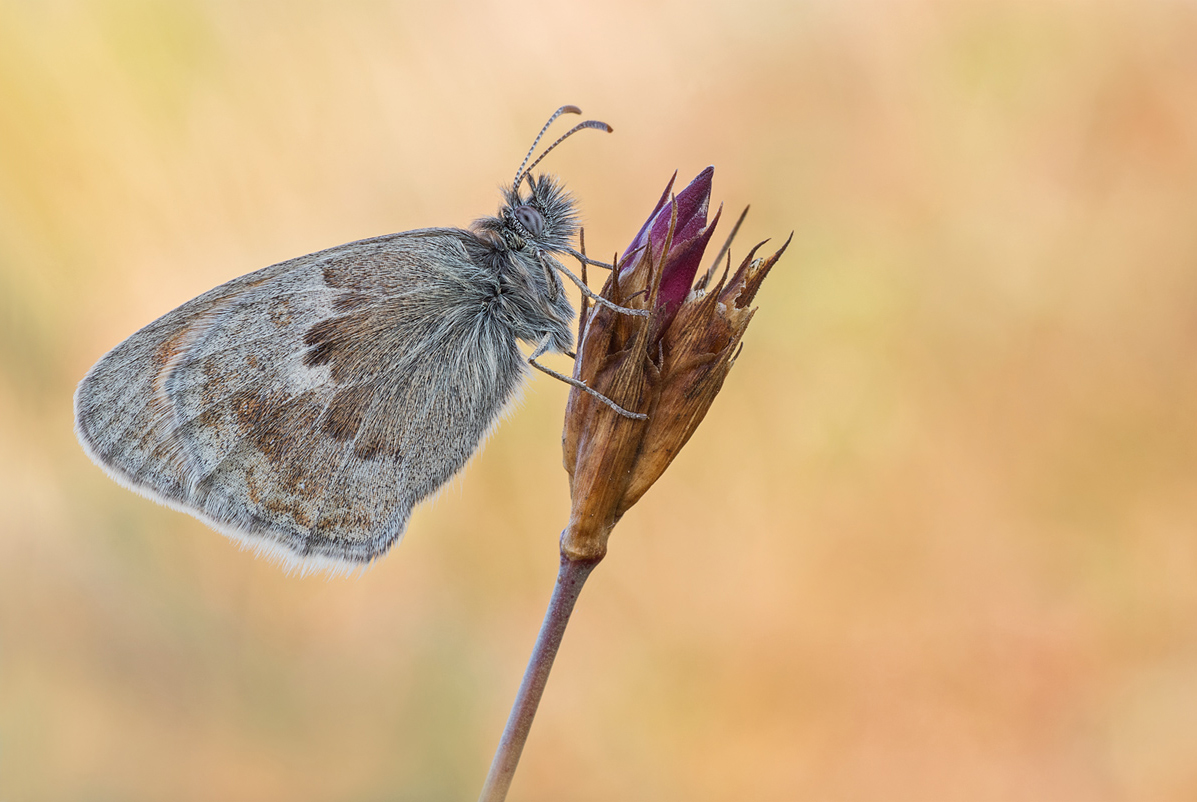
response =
{"points": [[670, 365]]}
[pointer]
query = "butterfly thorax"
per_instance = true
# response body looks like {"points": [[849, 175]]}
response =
{"points": [[520, 245]]}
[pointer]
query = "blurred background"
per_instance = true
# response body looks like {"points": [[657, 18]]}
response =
{"points": [[935, 540]]}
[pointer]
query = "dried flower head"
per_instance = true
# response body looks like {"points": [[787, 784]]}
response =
{"points": [[669, 366]]}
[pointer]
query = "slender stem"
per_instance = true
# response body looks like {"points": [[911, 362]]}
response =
{"points": [[570, 579]]}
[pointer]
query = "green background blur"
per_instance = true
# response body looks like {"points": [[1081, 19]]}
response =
{"points": [[935, 540]]}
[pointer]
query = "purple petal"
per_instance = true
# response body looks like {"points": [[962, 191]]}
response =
{"points": [[692, 203], [642, 236], [680, 269]]}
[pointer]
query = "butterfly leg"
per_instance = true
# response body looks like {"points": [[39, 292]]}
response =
{"points": [[555, 288], [584, 259], [572, 382], [598, 299]]}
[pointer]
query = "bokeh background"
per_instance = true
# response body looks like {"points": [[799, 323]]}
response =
{"points": [[935, 540]]}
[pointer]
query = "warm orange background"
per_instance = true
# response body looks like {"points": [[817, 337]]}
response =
{"points": [[935, 541]]}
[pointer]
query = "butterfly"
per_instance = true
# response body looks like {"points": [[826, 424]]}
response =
{"points": [[305, 408]]}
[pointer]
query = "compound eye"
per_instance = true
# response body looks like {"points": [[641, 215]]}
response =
{"points": [[530, 219]]}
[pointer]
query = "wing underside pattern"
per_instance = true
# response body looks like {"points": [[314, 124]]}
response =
{"points": [[306, 408]]}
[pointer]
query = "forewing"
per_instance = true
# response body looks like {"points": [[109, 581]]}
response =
{"points": [[307, 407]]}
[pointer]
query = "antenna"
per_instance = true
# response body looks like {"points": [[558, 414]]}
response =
{"points": [[521, 172]]}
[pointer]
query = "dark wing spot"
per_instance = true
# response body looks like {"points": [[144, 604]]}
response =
{"points": [[321, 341], [344, 414], [254, 410], [347, 271], [277, 424], [282, 431], [336, 342], [368, 449], [334, 273]]}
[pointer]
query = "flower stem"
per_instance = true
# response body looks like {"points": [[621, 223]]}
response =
{"points": [[570, 578]]}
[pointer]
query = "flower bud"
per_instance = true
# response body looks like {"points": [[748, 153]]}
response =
{"points": [[670, 365]]}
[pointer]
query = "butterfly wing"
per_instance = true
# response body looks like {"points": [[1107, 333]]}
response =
{"points": [[307, 407]]}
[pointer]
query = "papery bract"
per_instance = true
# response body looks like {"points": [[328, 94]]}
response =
{"points": [[669, 366]]}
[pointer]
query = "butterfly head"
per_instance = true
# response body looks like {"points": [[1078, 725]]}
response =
{"points": [[542, 219], [532, 226]]}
